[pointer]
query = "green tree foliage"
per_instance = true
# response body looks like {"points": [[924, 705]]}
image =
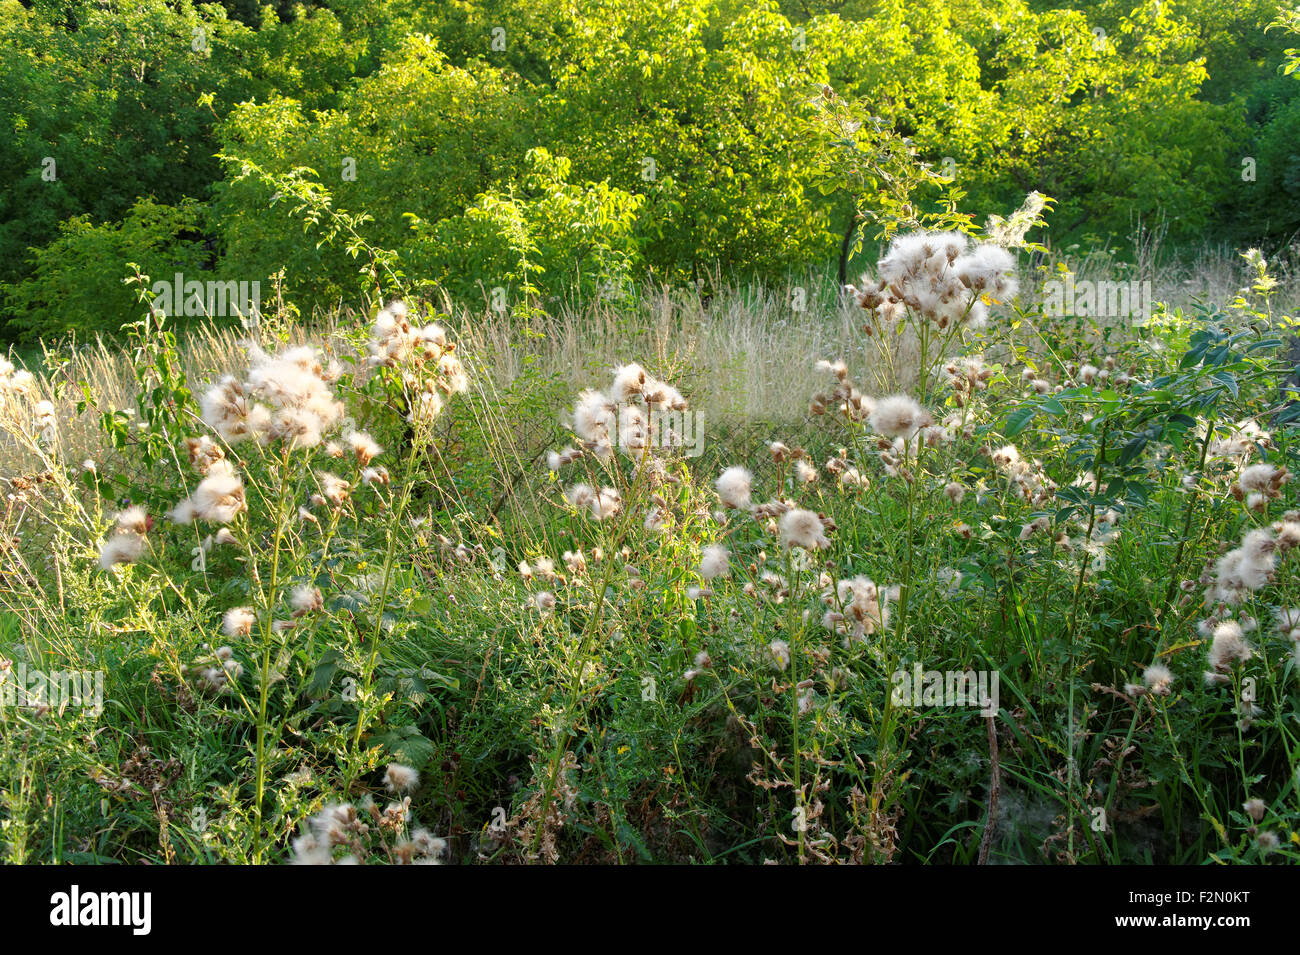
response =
{"points": [[711, 121], [76, 281], [1108, 120], [419, 136], [543, 225], [101, 106], [712, 113]]}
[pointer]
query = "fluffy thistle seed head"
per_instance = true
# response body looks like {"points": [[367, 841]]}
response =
{"points": [[333, 488], [605, 504], [629, 382], [898, 416], [238, 622], [837, 368], [989, 269], [218, 498], [803, 528], [735, 487], [306, 599], [121, 548], [134, 520], [1228, 646], [714, 562], [1255, 808], [364, 447], [594, 417], [400, 779], [1158, 679]]}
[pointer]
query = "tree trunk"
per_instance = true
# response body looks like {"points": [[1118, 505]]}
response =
{"points": [[845, 245]]}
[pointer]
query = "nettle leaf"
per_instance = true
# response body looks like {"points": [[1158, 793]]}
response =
{"points": [[323, 675], [407, 744], [1264, 343], [1073, 493], [1289, 415], [352, 603], [1219, 356]]}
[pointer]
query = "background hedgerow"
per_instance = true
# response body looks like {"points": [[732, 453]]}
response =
{"points": [[706, 137]]}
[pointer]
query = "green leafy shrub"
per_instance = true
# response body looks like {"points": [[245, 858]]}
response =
{"points": [[544, 233], [77, 284]]}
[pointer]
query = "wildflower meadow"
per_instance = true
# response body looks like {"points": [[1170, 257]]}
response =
{"points": [[654, 452]]}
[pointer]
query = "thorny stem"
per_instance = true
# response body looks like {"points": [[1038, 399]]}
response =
{"points": [[592, 627], [793, 618], [1072, 768], [1187, 529], [389, 557], [268, 630], [995, 789]]}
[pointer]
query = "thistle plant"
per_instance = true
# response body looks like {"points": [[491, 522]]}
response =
{"points": [[284, 483]]}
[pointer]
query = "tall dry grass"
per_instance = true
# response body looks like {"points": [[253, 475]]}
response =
{"points": [[744, 353]]}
